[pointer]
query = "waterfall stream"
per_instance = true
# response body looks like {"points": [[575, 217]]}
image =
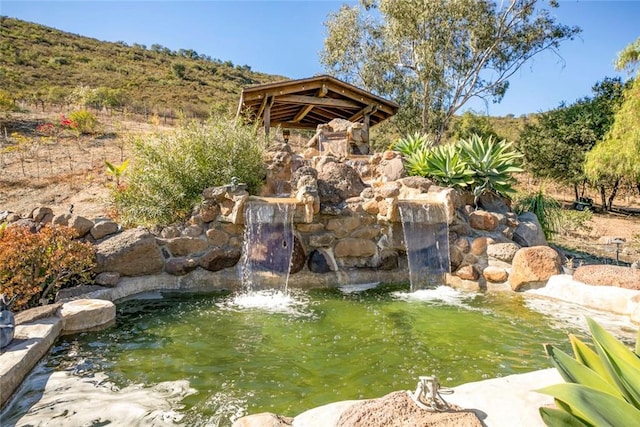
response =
{"points": [[426, 236], [268, 245]]}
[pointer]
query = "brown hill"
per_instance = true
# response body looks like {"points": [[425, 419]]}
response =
{"points": [[47, 67]]}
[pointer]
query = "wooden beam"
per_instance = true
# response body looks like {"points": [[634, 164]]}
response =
{"points": [[295, 125], [302, 113], [261, 109], [240, 105], [305, 110], [360, 97], [314, 100], [369, 109], [284, 89]]}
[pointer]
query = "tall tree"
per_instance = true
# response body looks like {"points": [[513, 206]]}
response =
{"points": [[554, 146], [471, 123], [434, 56], [616, 159], [629, 57]]}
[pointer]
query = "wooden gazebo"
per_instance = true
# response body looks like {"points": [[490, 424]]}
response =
{"points": [[306, 103]]}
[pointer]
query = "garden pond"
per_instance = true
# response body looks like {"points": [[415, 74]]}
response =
{"points": [[210, 359]]}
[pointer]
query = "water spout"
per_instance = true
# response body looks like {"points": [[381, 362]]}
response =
{"points": [[426, 236]]}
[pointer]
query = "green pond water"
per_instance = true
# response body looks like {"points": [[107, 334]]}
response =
{"points": [[322, 346]]}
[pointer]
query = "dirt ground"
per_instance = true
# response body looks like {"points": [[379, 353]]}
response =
{"points": [[69, 173]]}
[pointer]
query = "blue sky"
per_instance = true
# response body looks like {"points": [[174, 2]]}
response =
{"points": [[285, 37]]}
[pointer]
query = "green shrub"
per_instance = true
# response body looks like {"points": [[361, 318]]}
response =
{"points": [[169, 171], [85, 120], [602, 386], [546, 208], [6, 102], [34, 266], [571, 221]]}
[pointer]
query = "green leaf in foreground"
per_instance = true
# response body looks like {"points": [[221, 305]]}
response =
{"points": [[594, 406]]}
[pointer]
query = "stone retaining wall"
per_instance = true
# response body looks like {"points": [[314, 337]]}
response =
{"points": [[345, 232]]}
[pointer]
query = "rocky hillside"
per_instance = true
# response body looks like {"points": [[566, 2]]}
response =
{"points": [[47, 67]]}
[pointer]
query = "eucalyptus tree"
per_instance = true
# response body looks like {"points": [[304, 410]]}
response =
{"points": [[433, 56]]}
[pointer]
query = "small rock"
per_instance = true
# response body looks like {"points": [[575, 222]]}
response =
{"points": [[108, 278], [503, 251], [80, 224], [467, 272], [218, 258], [483, 220], [479, 246], [495, 274], [38, 214], [170, 232], [217, 237], [103, 228], [180, 266]]}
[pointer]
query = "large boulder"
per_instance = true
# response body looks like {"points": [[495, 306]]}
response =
{"points": [[532, 267], [130, 253], [490, 201], [181, 246], [608, 275], [340, 179], [219, 258], [391, 170], [397, 409], [529, 231], [87, 314]]}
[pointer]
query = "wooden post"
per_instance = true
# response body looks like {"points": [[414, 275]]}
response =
{"points": [[267, 118], [267, 115], [367, 121]]}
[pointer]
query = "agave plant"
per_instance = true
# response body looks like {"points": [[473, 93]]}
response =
{"points": [[446, 166], [603, 386], [493, 163], [412, 144]]}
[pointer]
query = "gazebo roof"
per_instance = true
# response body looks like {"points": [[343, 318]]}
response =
{"points": [[306, 103]]}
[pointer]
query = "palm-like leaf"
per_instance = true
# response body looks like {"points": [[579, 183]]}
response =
{"points": [[493, 163], [603, 386], [412, 144]]}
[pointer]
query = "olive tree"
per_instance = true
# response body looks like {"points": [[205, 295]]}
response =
{"points": [[434, 56]]}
